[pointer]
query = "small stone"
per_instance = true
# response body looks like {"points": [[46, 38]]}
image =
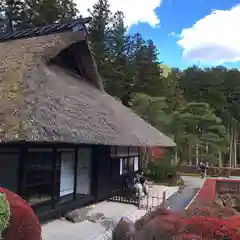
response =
{"points": [[96, 217], [108, 223]]}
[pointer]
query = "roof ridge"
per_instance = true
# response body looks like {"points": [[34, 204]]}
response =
{"points": [[73, 24]]}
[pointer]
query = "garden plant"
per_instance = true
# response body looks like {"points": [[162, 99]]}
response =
{"points": [[17, 219], [205, 219]]}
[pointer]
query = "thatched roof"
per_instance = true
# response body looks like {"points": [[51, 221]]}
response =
{"points": [[40, 101]]}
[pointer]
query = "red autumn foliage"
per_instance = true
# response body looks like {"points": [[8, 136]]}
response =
{"points": [[24, 224], [234, 222], [206, 219], [209, 227], [157, 153], [167, 225]]}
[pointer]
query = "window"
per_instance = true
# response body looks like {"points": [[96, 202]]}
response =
{"points": [[125, 166], [128, 157], [136, 163], [38, 176], [84, 171], [67, 173], [133, 151], [119, 151], [113, 151], [122, 151], [131, 164]]}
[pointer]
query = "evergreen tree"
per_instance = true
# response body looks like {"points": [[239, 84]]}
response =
{"points": [[41, 12], [98, 32], [3, 23], [14, 14]]}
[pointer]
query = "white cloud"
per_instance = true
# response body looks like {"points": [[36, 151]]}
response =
{"points": [[213, 39], [135, 11]]}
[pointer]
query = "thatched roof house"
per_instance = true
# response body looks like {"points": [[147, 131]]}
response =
{"points": [[50, 90], [64, 141]]}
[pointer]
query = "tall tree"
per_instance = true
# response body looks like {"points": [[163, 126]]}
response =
{"points": [[13, 14], [41, 12], [201, 128], [153, 110], [115, 75], [3, 22], [98, 31]]}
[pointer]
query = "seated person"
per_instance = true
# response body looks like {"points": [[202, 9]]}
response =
{"points": [[140, 183]]}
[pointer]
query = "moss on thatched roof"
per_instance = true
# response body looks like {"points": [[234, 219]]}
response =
{"points": [[40, 101]]}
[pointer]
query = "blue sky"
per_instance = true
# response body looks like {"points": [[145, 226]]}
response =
{"points": [[176, 15], [186, 32]]}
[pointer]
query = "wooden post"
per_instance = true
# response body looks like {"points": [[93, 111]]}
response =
{"points": [[164, 203], [139, 199]]}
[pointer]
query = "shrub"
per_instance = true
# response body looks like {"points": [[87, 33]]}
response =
{"points": [[162, 224], [19, 221], [162, 170]]}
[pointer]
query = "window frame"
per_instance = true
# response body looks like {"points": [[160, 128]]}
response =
{"points": [[127, 160], [43, 165]]}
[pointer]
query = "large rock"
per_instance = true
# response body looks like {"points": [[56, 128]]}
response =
{"points": [[125, 230], [77, 215]]}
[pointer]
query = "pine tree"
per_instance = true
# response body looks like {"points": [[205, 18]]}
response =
{"points": [[99, 30], [13, 14], [3, 23], [41, 12]]}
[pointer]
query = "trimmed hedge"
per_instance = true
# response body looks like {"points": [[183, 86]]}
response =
{"points": [[17, 221]]}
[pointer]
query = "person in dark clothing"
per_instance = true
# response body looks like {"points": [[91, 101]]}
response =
{"points": [[202, 168], [141, 182]]}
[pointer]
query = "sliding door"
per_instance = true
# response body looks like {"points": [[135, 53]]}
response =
{"points": [[67, 173], [84, 171]]}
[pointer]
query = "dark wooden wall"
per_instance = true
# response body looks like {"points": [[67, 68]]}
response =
{"points": [[102, 172], [9, 166]]}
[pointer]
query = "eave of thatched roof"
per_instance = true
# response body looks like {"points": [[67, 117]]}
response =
{"points": [[43, 102]]}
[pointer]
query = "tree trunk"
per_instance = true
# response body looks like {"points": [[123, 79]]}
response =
{"points": [[235, 147], [197, 155], [238, 148], [231, 147], [190, 153], [220, 163]]}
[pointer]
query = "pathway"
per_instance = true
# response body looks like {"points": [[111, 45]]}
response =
{"points": [[179, 201]]}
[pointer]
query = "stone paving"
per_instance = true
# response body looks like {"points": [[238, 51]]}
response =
{"points": [[102, 230], [87, 230]]}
